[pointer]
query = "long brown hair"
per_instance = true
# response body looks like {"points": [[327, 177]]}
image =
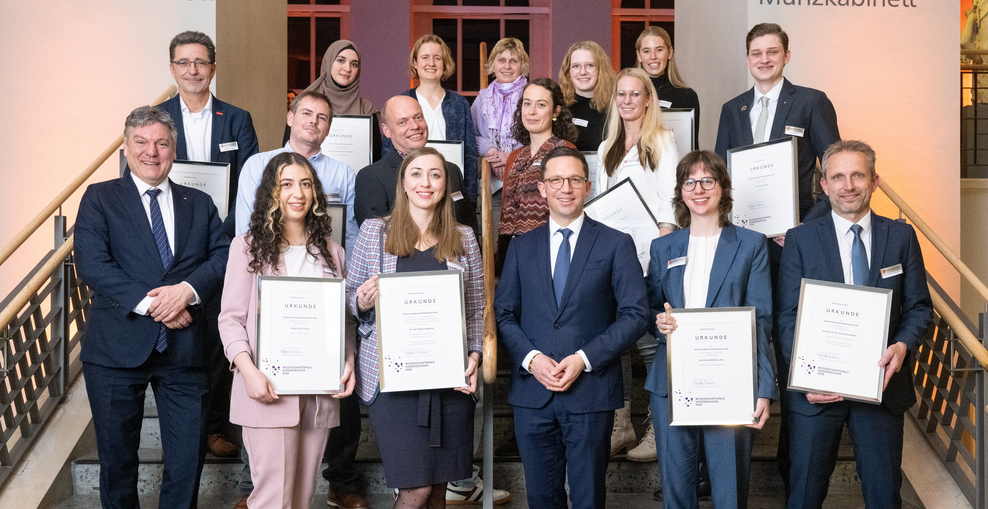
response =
{"points": [[562, 124], [265, 241], [404, 234], [605, 76], [715, 166]]}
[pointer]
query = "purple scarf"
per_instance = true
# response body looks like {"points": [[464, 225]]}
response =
{"points": [[499, 110]]}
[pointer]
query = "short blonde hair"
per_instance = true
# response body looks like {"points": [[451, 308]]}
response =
{"points": [[449, 65], [515, 46]]}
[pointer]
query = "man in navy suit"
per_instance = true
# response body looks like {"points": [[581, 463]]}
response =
{"points": [[570, 301], [213, 131], [152, 252], [853, 245]]}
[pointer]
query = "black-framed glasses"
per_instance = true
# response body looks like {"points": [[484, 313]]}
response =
{"points": [[186, 63], [557, 182], [707, 183]]}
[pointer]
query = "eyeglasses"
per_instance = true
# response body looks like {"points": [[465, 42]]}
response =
{"points": [[707, 183], [579, 67], [635, 95], [557, 182], [184, 64]]}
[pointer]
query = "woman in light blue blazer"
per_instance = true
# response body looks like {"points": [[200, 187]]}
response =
{"points": [[709, 263]]}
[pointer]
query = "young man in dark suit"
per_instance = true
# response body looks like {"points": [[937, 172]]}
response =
{"points": [[152, 252], [853, 245], [570, 301]]}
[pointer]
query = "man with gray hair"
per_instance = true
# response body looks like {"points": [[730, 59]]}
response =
{"points": [[152, 252]]}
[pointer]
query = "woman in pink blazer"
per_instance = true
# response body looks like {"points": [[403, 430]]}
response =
{"points": [[289, 235]]}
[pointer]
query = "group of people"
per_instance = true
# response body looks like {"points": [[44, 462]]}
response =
{"points": [[175, 289]]}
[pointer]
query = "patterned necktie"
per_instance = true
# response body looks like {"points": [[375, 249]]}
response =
{"points": [[164, 251], [859, 257], [562, 266], [762, 120]]}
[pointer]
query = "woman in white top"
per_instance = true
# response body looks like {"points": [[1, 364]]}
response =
{"points": [[639, 147]]}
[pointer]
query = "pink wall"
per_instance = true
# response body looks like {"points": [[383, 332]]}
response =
{"points": [[381, 31]]}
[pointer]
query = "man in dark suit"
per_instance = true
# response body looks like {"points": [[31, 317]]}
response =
{"points": [[376, 184], [853, 245], [570, 301], [152, 252], [210, 130]]}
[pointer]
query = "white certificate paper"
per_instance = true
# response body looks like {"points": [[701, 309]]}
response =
{"points": [[350, 140], [712, 367], [622, 208], [766, 197], [300, 336], [452, 151], [421, 330], [210, 178], [591, 158], [841, 333], [682, 122]]}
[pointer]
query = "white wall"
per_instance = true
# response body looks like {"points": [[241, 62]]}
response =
{"points": [[71, 72], [891, 73], [974, 230]]}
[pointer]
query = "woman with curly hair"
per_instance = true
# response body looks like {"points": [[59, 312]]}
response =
{"points": [[289, 235], [420, 454], [542, 123], [587, 79]]}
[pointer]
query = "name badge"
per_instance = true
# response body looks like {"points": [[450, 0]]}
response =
{"points": [[454, 265], [665, 104], [228, 147], [794, 131], [676, 262], [581, 122], [327, 270], [457, 196], [894, 270]]}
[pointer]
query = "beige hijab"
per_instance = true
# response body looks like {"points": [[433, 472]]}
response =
{"points": [[345, 100]]}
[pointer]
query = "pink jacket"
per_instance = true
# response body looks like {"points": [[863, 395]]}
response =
{"points": [[237, 330]]}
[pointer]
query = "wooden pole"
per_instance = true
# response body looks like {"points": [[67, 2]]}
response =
{"points": [[488, 249]]}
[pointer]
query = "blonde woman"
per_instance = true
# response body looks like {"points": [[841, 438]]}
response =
{"points": [[657, 58], [494, 109], [587, 80]]}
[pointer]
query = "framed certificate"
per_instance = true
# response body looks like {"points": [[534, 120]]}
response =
{"points": [[350, 140], [300, 336], [592, 166], [421, 330], [841, 333], [713, 368], [210, 178], [622, 208], [452, 151], [337, 216], [682, 123], [766, 197]]}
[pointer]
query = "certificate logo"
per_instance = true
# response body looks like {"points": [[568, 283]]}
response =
{"points": [[685, 400], [807, 366]]}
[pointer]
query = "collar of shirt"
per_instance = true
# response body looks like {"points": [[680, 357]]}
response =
{"points": [[206, 110], [845, 241], [773, 95], [314, 159], [142, 187], [556, 238]]}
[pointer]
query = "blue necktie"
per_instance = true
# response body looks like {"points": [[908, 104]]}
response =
{"points": [[164, 251], [859, 257], [562, 266]]}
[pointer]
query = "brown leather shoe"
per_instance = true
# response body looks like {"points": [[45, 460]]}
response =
{"points": [[350, 500], [220, 446], [241, 504]]}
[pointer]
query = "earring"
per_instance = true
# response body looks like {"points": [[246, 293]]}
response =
{"points": [[553, 119]]}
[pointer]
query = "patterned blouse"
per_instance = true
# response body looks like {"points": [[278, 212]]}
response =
{"points": [[522, 207]]}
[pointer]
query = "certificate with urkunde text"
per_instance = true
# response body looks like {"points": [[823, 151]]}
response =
{"points": [[452, 151], [621, 207], [713, 368], [350, 140], [300, 333], [841, 333], [421, 330], [764, 181], [681, 121]]}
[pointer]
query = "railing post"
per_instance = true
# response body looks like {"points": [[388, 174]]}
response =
{"points": [[980, 444], [59, 323]]}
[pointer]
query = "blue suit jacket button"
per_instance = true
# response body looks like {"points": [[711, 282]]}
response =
{"points": [[557, 326]]}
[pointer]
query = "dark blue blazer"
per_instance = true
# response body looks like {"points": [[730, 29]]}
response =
{"points": [[230, 123], [801, 107], [812, 252], [739, 278], [603, 312], [117, 257]]}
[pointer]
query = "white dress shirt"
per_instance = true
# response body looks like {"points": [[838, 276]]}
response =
{"points": [[433, 117], [699, 264], [756, 110], [845, 239], [555, 240], [167, 206], [198, 129]]}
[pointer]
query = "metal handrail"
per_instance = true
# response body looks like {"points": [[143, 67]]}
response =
{"points": [[957, 325], [73, 186], [37, 281]]}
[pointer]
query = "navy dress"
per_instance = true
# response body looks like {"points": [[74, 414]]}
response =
{"points": [[425, 437]]}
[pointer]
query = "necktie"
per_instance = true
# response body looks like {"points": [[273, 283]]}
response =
{"points": [[859, 258], [562, 266], [762, 120], [164, 251]]}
